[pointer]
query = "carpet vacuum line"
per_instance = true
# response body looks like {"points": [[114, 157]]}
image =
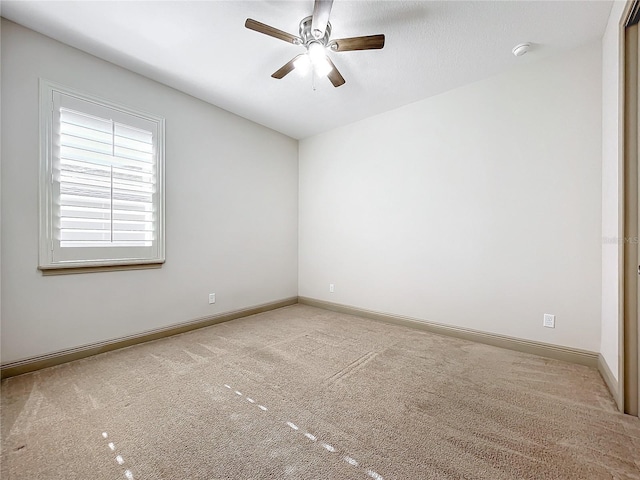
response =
{"points": [[119, 459], [328, 447]]}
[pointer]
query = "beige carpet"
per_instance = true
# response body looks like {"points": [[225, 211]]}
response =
{"points": [[304, 393]]}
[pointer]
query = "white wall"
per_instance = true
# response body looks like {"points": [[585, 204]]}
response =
{"points": [[231, 218], [611, 155], [479, 208], [0, 186]]}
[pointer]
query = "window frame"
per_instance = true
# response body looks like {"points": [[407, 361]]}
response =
{"points": [[47, 261]]}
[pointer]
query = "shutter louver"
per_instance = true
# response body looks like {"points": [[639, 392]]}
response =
{"points": [[107, 183]]}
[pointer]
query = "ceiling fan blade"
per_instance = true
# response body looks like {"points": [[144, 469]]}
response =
{"points": [[271, 31], [334, 75], [321, 11], [286, 68], [370, 42]]}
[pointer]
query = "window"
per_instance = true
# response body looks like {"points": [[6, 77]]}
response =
{"points": [[101, 182]]}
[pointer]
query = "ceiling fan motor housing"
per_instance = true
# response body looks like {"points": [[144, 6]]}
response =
{"points": [[307, 36]]}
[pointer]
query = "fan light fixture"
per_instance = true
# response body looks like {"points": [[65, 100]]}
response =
{"points": [[305, 62], [322, 68], [302, 64], [316, 57], [316, 53]]}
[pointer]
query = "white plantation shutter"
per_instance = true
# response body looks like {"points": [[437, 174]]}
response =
{"points": [[104, 201], [107, 182]]}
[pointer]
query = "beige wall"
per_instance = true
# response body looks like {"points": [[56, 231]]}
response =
{"points": [[231, 210], [611, 155], [478, 208]]}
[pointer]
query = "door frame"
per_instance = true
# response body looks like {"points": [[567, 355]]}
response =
{"points": [[629, 327]]}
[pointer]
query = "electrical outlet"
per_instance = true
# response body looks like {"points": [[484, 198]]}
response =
{"points": [[212, 298], [549, 321], [331, 288]]}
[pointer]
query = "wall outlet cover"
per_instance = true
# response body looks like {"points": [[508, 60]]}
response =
{"points": [[549, 321]]}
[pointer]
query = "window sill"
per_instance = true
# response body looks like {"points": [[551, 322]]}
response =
{"points": [[49, 271]]}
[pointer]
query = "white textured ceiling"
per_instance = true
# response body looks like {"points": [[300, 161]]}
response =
{"points": [[202, 48]]}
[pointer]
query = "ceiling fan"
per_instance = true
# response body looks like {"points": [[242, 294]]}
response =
{"points": [[315, 36]]}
